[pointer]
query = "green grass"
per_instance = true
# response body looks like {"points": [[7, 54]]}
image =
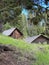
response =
{"points": [[18, 43], [40, 51]]}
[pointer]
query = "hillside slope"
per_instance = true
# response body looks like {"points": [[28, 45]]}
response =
{"points": [[18, 52]]}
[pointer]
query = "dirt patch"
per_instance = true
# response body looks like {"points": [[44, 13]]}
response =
{"points": [[11, 56]]}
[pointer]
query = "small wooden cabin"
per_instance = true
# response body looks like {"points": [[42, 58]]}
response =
{"points": [[13, 32], [37, 39]]}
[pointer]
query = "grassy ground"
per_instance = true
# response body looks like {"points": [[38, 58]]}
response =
{"points": [[38, 51]]}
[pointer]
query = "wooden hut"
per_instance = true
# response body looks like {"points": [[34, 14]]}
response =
{"points": [[13, 32], [37, 39]]}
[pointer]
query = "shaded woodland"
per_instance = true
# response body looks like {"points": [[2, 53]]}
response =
{"points": [[35, 22]]}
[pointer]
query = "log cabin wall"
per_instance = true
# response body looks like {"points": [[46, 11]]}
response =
{"points": [[16, 34], [41, 39]]}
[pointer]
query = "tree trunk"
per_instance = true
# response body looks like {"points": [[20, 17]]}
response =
{"points": [[47, 23], [1, 26]]}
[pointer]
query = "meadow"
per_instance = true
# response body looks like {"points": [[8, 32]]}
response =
{"points": [[38, 53]]}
